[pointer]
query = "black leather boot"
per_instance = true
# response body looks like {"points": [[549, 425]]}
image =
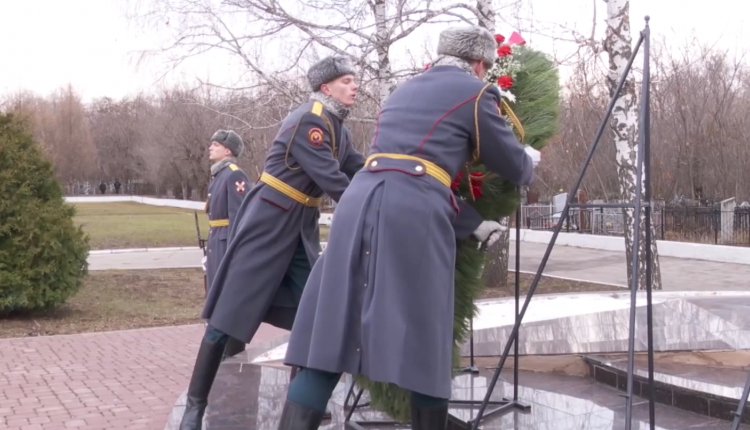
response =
{"points": [[206, 365], [233, 347], [292, 374], [296, 417], [435, 418]]}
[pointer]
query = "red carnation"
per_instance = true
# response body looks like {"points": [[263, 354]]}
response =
{"points": [[454, 185], [475, 181], [505, 82], [476, 184], [504, 50], [499, 38], [476, 189], [427, 66]]}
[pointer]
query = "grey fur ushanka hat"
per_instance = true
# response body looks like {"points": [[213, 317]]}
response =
{"points": [[328, 69], [231, 140], [469, 43]]}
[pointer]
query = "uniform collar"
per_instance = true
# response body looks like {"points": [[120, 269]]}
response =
{"points": [[219, 165], [449, 60], [336, 108]]}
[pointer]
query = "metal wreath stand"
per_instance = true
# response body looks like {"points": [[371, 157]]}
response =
{"points": [[643, 182]]}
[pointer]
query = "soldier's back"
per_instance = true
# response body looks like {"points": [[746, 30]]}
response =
{"points": [[431, 116]]}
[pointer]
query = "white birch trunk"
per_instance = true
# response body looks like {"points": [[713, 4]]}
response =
{"points": [[624, 125], [486, 17], [385, 81], [496, 262]]}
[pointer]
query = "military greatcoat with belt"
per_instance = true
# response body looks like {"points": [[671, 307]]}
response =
{"points": [[312, 154], [225, 193], [379, 302]]}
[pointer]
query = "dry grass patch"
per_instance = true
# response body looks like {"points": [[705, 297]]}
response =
{"points": [[119, 300]]}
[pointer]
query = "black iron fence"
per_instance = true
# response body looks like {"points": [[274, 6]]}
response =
{"points": [[680, 224]]}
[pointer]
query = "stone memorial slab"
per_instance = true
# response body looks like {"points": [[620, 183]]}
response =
{"points": [[250, 388], [598, 323], [251, 396]]}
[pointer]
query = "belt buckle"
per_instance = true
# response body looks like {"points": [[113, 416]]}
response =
{"points": [[307, 200]]}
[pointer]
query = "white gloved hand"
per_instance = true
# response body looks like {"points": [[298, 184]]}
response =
{"points": [[488, 231], [535, 155], [203, 263]]}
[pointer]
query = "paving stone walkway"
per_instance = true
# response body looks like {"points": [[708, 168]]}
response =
{"points": [[126, 380], [130, 379], [678, 274]]}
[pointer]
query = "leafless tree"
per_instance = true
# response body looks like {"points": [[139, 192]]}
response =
{"points": [[60, 125], [700, 111], [366, 32], [624, 125]]}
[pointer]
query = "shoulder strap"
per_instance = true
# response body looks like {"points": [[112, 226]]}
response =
{"points": [[317, 108]]}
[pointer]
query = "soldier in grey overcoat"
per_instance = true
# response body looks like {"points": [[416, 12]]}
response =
{"points": [[379, 301], [276, 239], [228, 186]]}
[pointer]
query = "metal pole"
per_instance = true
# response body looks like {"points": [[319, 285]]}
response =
{"points": [[646, 141], [518, 294], [556, 231], [741, 405], [471, 342], [634, 266]]}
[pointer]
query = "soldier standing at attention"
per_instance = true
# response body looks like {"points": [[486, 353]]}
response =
{"points": [[379, 302], [276, 238], [229, 185]]}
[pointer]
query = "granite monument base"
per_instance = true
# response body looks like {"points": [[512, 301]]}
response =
{"points": [[250, 396]]}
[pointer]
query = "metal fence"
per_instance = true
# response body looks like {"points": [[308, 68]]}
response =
{"points": [[680, 224], [127, 187]]}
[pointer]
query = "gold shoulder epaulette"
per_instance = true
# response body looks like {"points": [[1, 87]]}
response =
{"points": [[233, 167], [317, 108]]}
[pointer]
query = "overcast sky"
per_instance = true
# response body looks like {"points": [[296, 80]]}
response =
{"points": [[46, 44]]}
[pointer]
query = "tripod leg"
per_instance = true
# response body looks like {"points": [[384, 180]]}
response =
{"points": [[741, 405], [472, 366]]}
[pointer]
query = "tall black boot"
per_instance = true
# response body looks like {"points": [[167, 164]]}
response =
{"points": [[206, 365], [296, 417], [434, 418], [233, 347], [292, 374]]}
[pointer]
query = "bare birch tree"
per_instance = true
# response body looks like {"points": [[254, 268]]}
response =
{"points": [[624, 124], [497, 260], [363, 31]]}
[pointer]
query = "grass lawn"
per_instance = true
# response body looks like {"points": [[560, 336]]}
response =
{"points": [[127, 299], [134, 225]]}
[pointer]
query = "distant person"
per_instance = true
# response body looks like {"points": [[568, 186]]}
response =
{"points": [[117, 186], [227, 188], [102, 187]]}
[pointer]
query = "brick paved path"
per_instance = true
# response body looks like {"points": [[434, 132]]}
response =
{"points": [[125, 380]]}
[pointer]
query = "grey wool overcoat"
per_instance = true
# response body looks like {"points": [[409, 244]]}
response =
{"points": [[379, 301], [312, 154], [225, 193]]}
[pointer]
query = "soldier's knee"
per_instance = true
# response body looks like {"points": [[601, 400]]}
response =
{"points": [[213, 334]]}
